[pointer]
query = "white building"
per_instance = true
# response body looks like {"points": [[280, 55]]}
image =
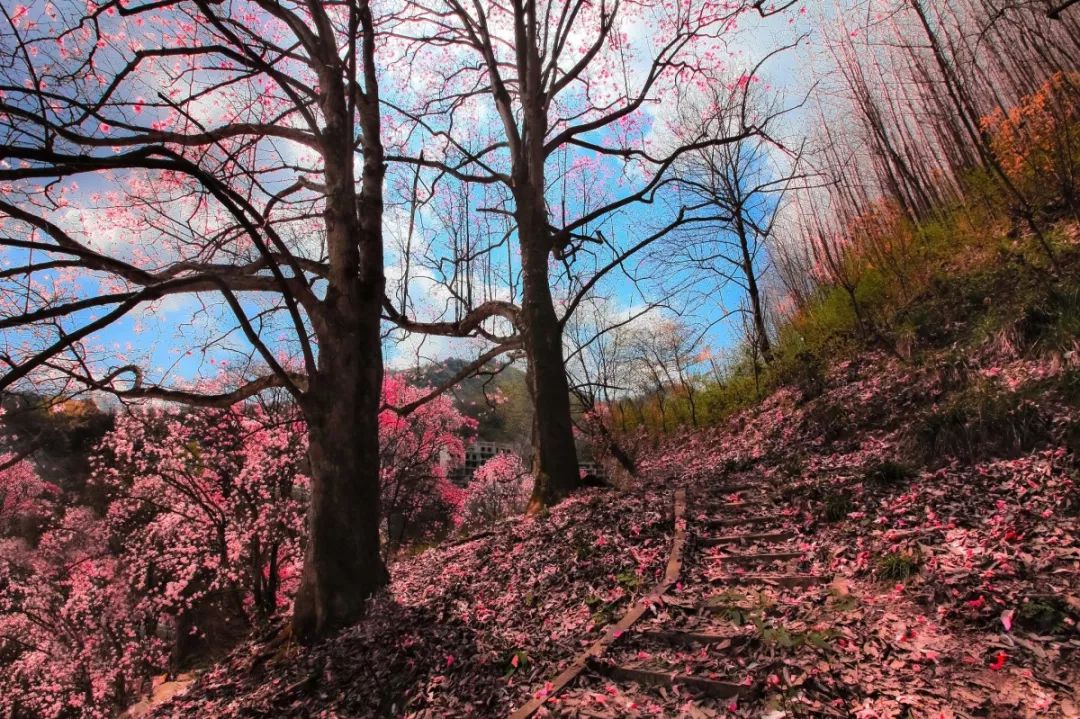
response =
{"points": [[481, 451]]}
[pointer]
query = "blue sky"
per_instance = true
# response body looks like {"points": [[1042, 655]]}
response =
{"points": [[160, 339]]}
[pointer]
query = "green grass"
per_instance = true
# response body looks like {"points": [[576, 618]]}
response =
{"points": [[897, 566], [958, 283], [837, 507], [629, 580], [1040, 616], [982, 421]]}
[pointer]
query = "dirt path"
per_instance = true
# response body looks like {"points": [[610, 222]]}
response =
{"points": [[756, 625]]}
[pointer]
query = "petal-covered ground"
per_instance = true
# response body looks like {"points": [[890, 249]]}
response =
{"points": [[901, 542], [466, 630]]}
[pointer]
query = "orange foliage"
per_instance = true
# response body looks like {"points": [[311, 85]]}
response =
{"points": [[1037, 136], [874, 238]]}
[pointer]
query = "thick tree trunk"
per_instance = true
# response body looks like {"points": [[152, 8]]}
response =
{"points": [[342, 565], [555, 464]]}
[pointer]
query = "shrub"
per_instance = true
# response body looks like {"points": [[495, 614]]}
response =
{"points": [[888, 474], [1036, 144], [500, 487], [418, 501], [838, 507], [805, 372], [1051, 321]]}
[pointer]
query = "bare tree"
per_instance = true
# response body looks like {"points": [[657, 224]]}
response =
{"points": [[735, 191], [913, 100], [601, 368], [566, 95]]}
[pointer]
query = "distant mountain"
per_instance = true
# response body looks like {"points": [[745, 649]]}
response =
{"points": [[499, 402], [60, 437]]}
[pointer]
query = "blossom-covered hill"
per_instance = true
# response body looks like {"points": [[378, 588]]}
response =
{"points": [[939, 502]]}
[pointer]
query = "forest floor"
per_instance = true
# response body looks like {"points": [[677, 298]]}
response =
{"points": [[921, 559]]}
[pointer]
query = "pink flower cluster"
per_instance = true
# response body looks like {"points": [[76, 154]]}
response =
{"points": [[500, 487]]}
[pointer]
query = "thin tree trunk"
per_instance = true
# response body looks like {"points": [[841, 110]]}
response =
{"points": [[970, 122], [762, 339]]}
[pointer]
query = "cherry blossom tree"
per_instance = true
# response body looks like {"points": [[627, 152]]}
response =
{"points": [[499, 487], [25, 498], [223, 160], [208, 508], [64, 633], [71, 645], [201, 539], [199, 542], [417, 450]]}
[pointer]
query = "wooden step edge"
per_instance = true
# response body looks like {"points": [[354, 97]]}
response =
{"points": [[736, 506], [646, 677], [732, 488], [759, 557], [692, 638], [738, 521], [741, 538], [778, 580]]}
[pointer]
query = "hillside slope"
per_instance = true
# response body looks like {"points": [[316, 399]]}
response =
{"points": [[938, 500]]}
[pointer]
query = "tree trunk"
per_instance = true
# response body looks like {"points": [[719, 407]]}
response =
{"points": [[762, 332], [619, 454], [342, 564], [555, 465], [762, 340]]}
